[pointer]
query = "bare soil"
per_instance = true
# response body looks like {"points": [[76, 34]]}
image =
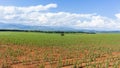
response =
{"points": [[13, 56]]}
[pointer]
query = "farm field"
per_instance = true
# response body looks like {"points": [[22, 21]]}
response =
{"points": [[44, 50]]}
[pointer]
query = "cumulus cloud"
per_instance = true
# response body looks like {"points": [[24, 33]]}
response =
{"points": [[14, 9], [40, 16], [118, 15]]}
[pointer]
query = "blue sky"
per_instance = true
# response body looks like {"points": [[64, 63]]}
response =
{"points": [[97, 14], [102, 7]]}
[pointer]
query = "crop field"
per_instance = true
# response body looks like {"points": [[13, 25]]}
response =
{"points": [[51, 50]]}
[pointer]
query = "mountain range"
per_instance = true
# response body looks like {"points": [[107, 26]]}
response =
{"points": [[42, 28], [50, 28]]}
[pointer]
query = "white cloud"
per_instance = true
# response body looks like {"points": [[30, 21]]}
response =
{"points": [[14, 9], [117, 15], [40, 16]]}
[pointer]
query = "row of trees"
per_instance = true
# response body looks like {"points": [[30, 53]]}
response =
{"points": [[62, 32]]}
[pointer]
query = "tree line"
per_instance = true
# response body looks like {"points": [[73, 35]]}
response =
{"points": [[62, 32]]}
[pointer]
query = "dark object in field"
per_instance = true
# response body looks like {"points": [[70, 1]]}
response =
{"points": [[90, 33], [62, 34]]}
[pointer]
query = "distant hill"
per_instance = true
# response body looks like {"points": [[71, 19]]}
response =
{"points": [[43, 28], [50, 28]]}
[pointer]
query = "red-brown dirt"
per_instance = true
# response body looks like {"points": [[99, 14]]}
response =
{"points": [[52, 57]]}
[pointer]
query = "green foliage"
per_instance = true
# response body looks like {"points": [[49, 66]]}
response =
{"points": [[93, 46], [45, 39]]}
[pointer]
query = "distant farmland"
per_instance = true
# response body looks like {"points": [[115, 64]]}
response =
{"points": [[51, 50]]}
